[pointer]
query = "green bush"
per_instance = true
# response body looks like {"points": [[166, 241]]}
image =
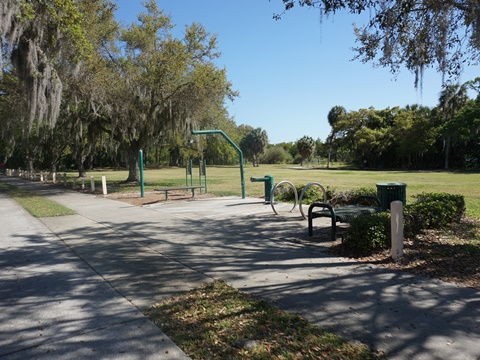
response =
{"points": [[369, 232], [285, 194], [276, 155], [348, 197], [433, 211], [314, 193]]}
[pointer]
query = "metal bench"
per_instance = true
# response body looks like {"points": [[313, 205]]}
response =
{"points": [[342, 213], [184, 188]]}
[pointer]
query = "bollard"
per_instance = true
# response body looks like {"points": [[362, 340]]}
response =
{"points": [[74, 186], [54, 177], [83, 183], [92, 184], [64, 179], [396, 209], [104, 185]]}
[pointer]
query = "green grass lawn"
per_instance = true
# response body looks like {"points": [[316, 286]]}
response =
{"points": [[225, 180], [38, 206]]}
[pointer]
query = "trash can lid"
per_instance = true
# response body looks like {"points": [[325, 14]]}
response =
{"points": [[391, 184]]}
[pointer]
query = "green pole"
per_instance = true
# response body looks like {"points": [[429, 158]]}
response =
{"points": [[240, 153], [205, 174], [191, 172], [140, 160], [200, 174]]}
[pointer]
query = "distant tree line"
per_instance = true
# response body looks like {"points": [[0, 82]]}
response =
{"points": [[413, 137]]}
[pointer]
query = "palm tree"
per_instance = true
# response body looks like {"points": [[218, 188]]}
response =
{"points": [[451, 99], [254, 143], [333, 115], [306, 147]]}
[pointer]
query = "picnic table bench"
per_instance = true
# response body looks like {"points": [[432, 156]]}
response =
{"points": [[342, 214], [184, 188]]}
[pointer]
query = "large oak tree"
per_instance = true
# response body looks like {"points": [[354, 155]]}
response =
{"points": [[164, 84]]}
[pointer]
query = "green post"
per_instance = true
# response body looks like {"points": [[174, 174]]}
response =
{"points": [[140, 160], [205, 174], [239, 151], [200, 174], [188, 172]]}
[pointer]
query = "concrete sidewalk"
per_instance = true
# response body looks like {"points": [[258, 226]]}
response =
{"points": [[63, 274]]}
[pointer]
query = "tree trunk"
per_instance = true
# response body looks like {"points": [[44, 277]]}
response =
{"points": [[329, 156], [447, 151], [132, 158], [30, 167], [80, 160], [53, 167]]}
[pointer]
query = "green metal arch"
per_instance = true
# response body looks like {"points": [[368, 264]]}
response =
{"points": [[240, 153]]}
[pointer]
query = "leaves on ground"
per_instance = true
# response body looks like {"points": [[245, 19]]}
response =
{"points": [[451, 255], [217, 321]]}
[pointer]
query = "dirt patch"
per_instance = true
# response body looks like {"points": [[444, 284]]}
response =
{"points": [[154, 197], [451, 255]]}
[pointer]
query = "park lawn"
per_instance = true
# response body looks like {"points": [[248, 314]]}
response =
{"points": [[37, 206], [225, 180]]}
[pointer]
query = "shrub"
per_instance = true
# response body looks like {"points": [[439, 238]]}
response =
{"points": [[276, 155], [348, 197], [314, 193], [369, 232], [284, 193], [433, 210]]}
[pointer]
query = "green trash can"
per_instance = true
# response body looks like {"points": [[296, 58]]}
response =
{"points": [[392, 191]]}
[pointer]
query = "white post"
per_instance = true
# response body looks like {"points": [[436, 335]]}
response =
{"points": [[83, 183], [104, 185], [92, 184], [41, 177], [54, 177], [396, 210]]}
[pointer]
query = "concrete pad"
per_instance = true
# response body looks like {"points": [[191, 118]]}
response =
{"points": [[133, 265], [148, 290], [134, 340]]}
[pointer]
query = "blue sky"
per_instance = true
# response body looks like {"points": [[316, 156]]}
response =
{"points": [[291, 72]]}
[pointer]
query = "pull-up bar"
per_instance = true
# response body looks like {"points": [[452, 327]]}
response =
{"points": [[240, 153]]}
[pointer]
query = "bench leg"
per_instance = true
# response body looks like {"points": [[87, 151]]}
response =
{"points": [[310, 225], [334, 228]]}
